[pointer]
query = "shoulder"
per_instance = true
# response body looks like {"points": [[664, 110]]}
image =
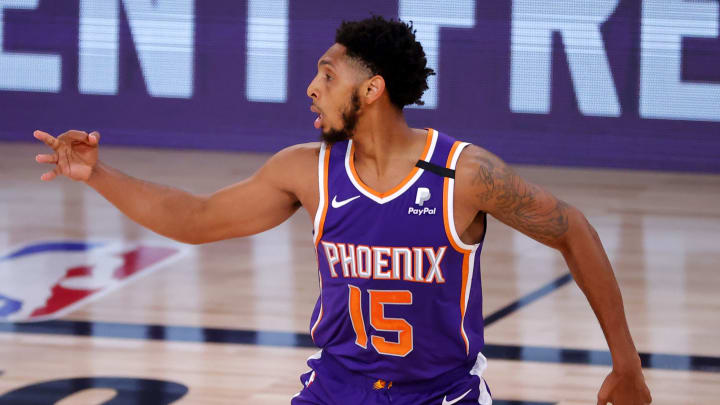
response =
{"points": [[299, 153], [479, 175], [294, 168], [296, 159], [478, 165], [474, 157]]}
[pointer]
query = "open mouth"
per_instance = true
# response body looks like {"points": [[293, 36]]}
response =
{"points": [[318, 120]]}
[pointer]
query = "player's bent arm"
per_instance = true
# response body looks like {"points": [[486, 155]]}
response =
{"points": [[256, 204], [489, 185]]}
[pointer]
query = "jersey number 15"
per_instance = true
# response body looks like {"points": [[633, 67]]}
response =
{"points": [[378, 300]]}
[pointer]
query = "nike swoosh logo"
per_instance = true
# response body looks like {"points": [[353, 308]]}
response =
{"points": [[446, 402], [338, 204]]}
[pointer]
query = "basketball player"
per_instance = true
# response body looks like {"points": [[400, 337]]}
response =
{"points": [[399, 219]]}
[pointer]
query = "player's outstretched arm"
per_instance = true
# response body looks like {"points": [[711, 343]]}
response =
{"points": [[259, 203], [493, 187]]}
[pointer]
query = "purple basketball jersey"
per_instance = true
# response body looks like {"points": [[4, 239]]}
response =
{"points": [[400, 295]]}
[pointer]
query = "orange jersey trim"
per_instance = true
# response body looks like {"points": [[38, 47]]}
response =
{"points": [[320, 315], [466, 252], [446, 202], [409, 177], [324, 201], [465, 271]]}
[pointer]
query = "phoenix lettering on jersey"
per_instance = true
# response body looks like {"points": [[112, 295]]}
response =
{"points": [[418, 264]]}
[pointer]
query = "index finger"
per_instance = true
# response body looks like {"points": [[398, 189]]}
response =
{"points": [[47, 138]]}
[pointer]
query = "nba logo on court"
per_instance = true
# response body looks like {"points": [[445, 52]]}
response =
{"points": [[47, 280]]}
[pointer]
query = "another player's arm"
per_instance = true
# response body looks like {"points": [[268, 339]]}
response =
{"points": [[491, 186], [253, 205]]}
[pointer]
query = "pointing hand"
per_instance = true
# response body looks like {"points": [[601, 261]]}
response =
{"points": [[75, 154]]}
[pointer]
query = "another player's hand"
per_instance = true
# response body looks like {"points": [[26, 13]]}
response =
{"points": [[75, 154], [624, 389]]}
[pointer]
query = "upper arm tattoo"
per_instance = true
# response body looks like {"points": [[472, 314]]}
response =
{"points": [[524, 206]]}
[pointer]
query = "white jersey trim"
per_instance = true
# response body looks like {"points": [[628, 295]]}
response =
{"points": [[312, 374], [468, 287], [321, 189], [478, 369], [405, 187], [451, 199]]}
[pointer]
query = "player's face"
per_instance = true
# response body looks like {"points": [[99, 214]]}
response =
{"points": [[335, 96]]}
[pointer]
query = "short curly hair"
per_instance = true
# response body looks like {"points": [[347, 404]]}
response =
{"points": [[388, 48]]}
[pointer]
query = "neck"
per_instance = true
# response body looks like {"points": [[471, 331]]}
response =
{"points": [[383, 138]]}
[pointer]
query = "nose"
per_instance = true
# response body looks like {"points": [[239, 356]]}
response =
{"points": [[312, 90]]}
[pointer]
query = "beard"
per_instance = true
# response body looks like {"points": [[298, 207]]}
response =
{"points": [[350, 117]]}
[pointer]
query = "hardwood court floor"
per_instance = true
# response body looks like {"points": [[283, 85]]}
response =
{"points": [[206, 320]]}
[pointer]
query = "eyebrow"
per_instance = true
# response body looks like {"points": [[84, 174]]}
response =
{"points": [[325, 62]]}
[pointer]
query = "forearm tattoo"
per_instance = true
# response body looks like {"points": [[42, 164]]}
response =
{"points": [[523, 206]]}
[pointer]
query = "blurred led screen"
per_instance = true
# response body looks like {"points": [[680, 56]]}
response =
{"points": [[609, 83]]}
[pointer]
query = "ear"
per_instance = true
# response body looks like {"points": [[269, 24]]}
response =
{"points": [[373, 88]]}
